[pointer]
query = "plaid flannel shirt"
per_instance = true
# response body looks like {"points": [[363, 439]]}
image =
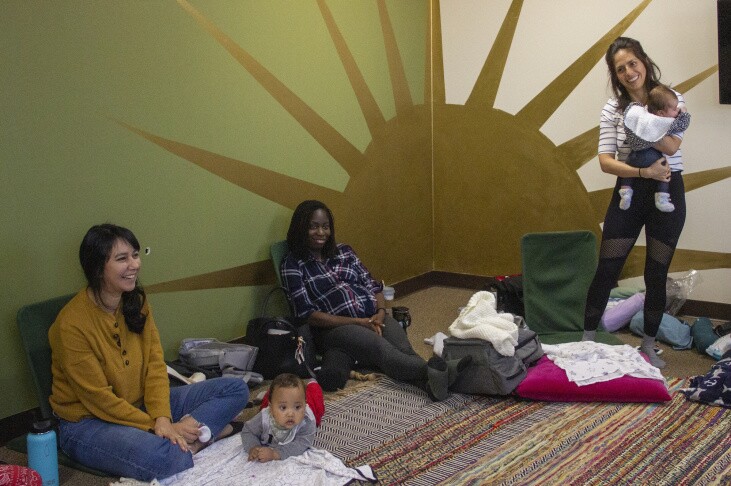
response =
{"points": [[340, 285]]}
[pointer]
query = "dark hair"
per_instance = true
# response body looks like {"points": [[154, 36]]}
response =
{"points": [[659, 98], [94, 252], [652, 77], [299, 228], [285, 380]]}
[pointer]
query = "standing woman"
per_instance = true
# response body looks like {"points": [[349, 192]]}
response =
{"points": [[110, 386], [633, 74]]}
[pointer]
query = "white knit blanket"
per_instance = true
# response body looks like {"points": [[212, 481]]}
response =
{"points": [[645, 125], [479, 319], [225, 462]]}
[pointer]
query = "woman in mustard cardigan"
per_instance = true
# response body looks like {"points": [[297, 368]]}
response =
{"points": [[110, 386]]}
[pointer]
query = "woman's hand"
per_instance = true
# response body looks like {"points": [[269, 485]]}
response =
{"points": [[165, 428], [188, 427], [659, 170], [372, 323], [378, 319]]}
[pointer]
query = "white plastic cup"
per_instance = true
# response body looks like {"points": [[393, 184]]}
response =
{"points": [[205, 433], [388, 293]]}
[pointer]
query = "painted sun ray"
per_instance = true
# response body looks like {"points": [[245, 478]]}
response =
{"points": [[399, 85], [427, 59], [690, 83], [372, 113], [692, 181], [257, 273], [435, 57], [580, 149], [345, 153], [279, 188], [702, 178], [683, 260], [545, 103], [486, 87]]}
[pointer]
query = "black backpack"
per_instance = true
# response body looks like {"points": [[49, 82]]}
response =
{"points": [[509, 291]]}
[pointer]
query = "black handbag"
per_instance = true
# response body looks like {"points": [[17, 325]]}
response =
{"points": [[285, 344]]}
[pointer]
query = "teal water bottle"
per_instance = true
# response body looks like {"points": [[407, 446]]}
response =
{"points": [[43, 451]]}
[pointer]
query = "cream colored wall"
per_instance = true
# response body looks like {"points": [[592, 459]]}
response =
{"points": [[680, 36]]}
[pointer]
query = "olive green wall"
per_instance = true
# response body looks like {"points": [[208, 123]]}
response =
{"points": [[76, 78], [437, 131]]}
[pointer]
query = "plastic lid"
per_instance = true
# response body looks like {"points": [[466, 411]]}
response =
{"points": [[42, 426]]}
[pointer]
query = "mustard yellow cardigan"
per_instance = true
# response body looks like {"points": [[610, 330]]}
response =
{"points": [[102, 369]]}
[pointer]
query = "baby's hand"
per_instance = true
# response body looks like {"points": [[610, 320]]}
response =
{"points": [[263, 454]]}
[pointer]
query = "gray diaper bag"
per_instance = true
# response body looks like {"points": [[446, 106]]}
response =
{"points": [[211, 353], [491, 373]]}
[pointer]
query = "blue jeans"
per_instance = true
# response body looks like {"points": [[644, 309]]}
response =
{"points": [[130, 452]]}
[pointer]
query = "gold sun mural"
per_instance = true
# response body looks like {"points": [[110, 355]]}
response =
{"points": [[467, 211]]}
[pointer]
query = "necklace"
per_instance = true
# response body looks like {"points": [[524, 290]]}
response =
{"points": [[106, 307], [102, 305]]}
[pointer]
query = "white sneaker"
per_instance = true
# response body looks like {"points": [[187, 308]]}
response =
{"points": [[662, 202], [625, 200]]}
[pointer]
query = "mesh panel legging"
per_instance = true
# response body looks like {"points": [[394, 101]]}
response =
{"points": [[621, 229]]}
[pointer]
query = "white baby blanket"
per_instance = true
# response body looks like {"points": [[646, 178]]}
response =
{"points": [[225, 462], [588, 362]]}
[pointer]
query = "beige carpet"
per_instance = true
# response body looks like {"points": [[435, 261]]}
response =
{"points": [[432, 310]]}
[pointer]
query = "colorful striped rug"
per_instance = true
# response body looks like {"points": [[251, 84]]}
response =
{"points": [[408, 439]]}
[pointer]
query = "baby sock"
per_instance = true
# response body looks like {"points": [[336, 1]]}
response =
{"points": [[625, 195], [662, 202]]}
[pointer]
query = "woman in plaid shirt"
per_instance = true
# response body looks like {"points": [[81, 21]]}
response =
{"points": [[329, 286]]}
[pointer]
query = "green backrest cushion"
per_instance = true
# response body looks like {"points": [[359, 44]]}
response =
{"points": [[558, 268], [34, 320], [278, 251]]}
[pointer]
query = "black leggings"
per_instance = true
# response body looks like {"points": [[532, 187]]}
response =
{"points": [[621, 229], [390, 354]]}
